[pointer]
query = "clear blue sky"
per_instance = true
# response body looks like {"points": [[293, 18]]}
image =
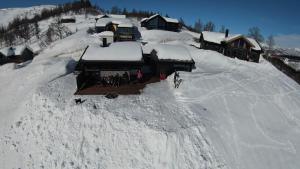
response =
{"points": [[277, 17]]}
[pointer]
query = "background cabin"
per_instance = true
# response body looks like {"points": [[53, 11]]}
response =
{"points": [[17, 54], [123, 29], [238, 46], [160, 23], [125, 32], [68, 19]]}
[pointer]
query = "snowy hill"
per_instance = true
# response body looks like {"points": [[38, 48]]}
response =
{"points": [[227, 114], [8, 14]]}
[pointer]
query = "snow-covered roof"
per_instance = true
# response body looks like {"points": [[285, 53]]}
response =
{"points": [[104, 33], [294, 65], [119, 21], [172, 20], [144, 19], [232, 37], [214, 37], [120, 51], [125, 25], [68, 17], [169, 52], [14, 50], [255, 43], [112, 16], [218, 38]]}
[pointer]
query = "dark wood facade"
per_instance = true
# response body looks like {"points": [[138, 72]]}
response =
{"points": [[25, 55], [89, 72], [68, 20], [168, 66], [160, 23], [124, 34], [238, 47], [120, 33]]}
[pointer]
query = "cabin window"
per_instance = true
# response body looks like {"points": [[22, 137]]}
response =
{"points": [[236, 44], [242, 44]]}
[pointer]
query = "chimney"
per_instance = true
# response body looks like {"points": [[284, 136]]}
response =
{"points": [[226, 33], [104, 42]]}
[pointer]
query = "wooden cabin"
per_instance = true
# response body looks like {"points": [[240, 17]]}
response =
{"points": [[233, 46], [123, 60], [160, 23], [111, 16], [166, 59], [68, 19], [123, 29], [98, 62], [17, 54], [124, 32]]}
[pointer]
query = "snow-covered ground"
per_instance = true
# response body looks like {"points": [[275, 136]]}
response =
{"points": [[8, 14], [227, 113]]}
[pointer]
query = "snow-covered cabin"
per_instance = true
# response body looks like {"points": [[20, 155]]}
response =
{"points": [[161, 23], [122, 28], [237, 45], [98, 62], [111, 16], [16, 54], [168, 58], [67, 19]]}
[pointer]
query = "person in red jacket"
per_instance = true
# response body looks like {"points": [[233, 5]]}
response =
{"points": [[162, 76], [139, 75]]}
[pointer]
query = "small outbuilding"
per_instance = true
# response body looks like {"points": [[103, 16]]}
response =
{"points": [[161, 23]]}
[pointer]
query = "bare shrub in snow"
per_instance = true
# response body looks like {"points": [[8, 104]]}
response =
{"points": [[57, 31], [255, 33], [209, 26]]}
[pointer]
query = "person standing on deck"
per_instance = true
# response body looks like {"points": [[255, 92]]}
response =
{"points": [[176, 76], [139, 75]]}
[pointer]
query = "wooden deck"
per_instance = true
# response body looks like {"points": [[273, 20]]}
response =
{"points": [[125, 89]]}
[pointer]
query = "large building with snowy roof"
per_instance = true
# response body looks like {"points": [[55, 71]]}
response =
{"points": [[98, 63], [161, 23], [238, 45]]}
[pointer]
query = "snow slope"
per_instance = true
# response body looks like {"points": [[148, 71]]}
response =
{"points": [[8, 14], [227, 113]]}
